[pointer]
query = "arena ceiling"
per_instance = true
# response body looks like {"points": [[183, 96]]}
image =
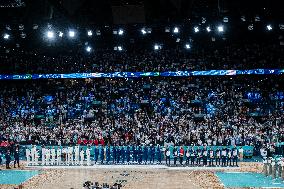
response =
{"points": [[99, 12]]}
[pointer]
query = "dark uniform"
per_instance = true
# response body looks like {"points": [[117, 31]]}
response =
{"points": [[122, 153], [159, 155], [134, 154], [8, 159], [108, 154], [127, 154], [114, 152], [16, 157], [96, 155], [102, 154], [145, 154], [152, 159], [224, 157], [205, 154], [199, 156], [192, 156]]}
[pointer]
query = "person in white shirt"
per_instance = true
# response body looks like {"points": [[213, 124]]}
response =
{"points": [[33, 149], [88, 153], [70, 155], [58, 156], [47, 156], [43, 155], [76, 151], [82, 154], [53, 154], [28, 156]]}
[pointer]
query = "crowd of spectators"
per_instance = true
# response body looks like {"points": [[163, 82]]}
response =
{"points": [[244, 56], [239, 110]]}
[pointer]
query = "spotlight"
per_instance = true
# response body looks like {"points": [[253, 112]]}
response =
{"points": [[220, 28], [119, 48], [208, 29], [187, 46], [60, 34], [71, 34], [196, 29], [269, 27], [120, 32], [90, 33], [88, 49], [50, 34], [143, 31], [157, 47], [6, 36], [176, 30]]}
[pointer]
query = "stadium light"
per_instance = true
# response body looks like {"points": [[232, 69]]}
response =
{"points": [[157, 47], [119, 48], [120, 32], [208, 29], [220, 28], [90, 33], [71, 33], [269, 27], [187, 46], [60, 34], [6, 36], [50, 34], [196, 29], [143, 31], [176, 30], [88, 49]]}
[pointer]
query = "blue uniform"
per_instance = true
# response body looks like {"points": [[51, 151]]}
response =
{"points": [[152, 151], [118, 155], [140, 155], [96, 155], [122, 154], [102, 155], [114, 154], [145, 154], [134, 152], [108, 154], [159, 155], [127, 153]]}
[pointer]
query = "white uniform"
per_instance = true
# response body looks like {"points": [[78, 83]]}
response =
{"points": [[77, 152], [53, 154], [33, 155], [70, 155], [88, 152], [36, 157], [58, 157], [47, 156], [43, 156], [82, 157], [28, 156]]}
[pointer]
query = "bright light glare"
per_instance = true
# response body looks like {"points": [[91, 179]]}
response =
{"points": [[208, 29], [187, 46], [88, 49], [156, 47], [220, 28], [143, 31], [176, 30], [50, 34], [119, 48], [60, 34], [71, 34], [269, 27], [120, 32], [6, 36], [90, 33], [196, 29]]}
